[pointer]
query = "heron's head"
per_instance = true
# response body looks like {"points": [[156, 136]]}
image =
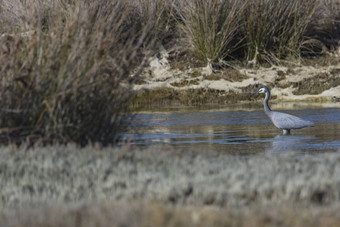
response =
{"points": [[262, 90]]}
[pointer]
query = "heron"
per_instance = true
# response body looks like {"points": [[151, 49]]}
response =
{"points": [[283, 121]]}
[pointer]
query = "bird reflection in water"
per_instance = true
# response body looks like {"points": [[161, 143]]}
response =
{"points": [[286, 143]]}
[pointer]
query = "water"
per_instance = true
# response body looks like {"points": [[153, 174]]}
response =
{"points": [[239, 132]]}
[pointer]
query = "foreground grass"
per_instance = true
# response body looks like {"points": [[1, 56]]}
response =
{"points": [[68, 175], [159, 186], [139, 214]]}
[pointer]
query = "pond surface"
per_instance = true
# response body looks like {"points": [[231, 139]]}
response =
{"points": [[238, 131]]}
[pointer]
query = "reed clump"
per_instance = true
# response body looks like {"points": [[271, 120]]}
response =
{"points": [[67, 68], [259, 30], [277, 29], [211, 27], [327, 24]]}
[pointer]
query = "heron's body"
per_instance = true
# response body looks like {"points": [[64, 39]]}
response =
{"points": [[283, 121]]}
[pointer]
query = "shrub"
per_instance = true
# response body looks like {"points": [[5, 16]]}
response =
{"points": [[67, 68]]}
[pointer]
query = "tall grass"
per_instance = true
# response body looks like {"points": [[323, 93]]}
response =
{"points": [[264, 30], [211, 27], [276, 29], [67, 68], [327, 24]]}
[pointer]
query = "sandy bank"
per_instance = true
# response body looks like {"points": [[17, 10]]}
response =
{"points": [[313, 83]]}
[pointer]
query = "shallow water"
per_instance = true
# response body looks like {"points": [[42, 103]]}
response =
{"points": [[238, 131]]}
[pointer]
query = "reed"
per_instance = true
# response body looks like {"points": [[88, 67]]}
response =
{"points": [[276, 30], [327, 24], [211, 27]]}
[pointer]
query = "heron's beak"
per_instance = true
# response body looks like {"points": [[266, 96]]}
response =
{"points": [[254, 93]]}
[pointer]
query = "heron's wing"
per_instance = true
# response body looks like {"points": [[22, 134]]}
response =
{"points": [[287, 121]]}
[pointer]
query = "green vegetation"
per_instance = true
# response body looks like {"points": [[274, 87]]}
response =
{"points": [[168, 96], [67, 67], [316, 84], [229, 75], [184, 83]]}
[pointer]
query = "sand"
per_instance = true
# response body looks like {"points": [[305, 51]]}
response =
{"points": [[280, 79]]}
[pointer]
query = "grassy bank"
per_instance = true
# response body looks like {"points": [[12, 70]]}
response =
{"points": [[143, 214], [67, 174], [187, 97], [162, 187]]}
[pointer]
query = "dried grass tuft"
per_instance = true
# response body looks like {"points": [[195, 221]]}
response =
{"points": [[67, 68]]}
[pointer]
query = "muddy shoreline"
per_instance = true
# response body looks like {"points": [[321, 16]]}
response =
{"points": [[165, 82]]}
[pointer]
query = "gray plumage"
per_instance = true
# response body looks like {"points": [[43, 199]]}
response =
{"points": [[283, 121]]}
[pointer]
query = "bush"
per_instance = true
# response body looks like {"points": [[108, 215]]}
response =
{"points": [[67, 68]]}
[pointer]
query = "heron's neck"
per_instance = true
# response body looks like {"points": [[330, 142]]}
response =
{"points": [[266, 99]]}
